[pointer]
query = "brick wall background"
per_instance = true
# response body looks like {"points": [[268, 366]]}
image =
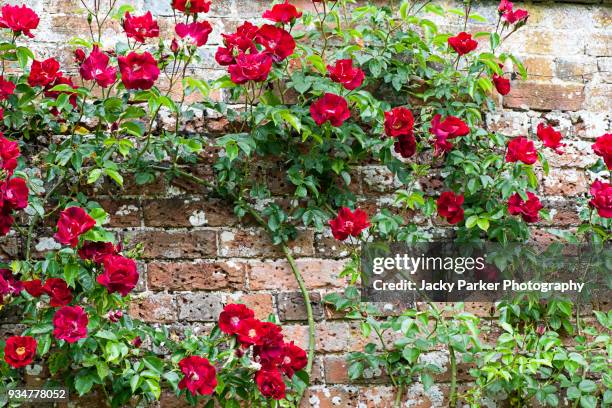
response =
{"points": [[197, 257]]}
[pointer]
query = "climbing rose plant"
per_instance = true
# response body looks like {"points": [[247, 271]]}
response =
{"points": [[312, 94]]}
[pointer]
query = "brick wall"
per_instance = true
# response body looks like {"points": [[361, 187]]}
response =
{"points": [[197, 256]]}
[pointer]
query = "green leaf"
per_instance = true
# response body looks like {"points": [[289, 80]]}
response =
{"points": [[71, 271], [587, 386], [355, 370], [85, 379], [471, 221], [106, 334], [318, 63]]}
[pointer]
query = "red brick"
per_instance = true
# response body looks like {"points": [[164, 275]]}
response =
{"points": [[261, 303], [330, 397], [210, 275], [545, 96], [154, 308], [256, 243], [122, 212], [565, 182], [291, 306], [177, 244], [277, 274], [185, 212]]}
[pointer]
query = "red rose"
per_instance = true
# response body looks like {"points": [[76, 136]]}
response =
{"points": [[603, 147], [14, 194], [463, 43], [250, 331], [9, 284], [34, 287], [602, 198], [345, 74], [138, 71], [140, 27], [58, 291], [7, 88], [96, 251], [73, 222], [19, 351], [195, 33], [9, 153], [200, 377], [79, 55], [282, 13], [332, 108], [242, 39], [44, 73], [405, 145], [515, 16], [224, 56], [399, 121], [529, 209], [451, 128], [19, 19], [137, 342], [521, 149], [231, 316], [504, 6], [270, 383], [120, 274], [550, 137], [349, 223], [276, 41], [70, 323], [114, 315], [294, 359], [449, 206], [501, 84], [191, 6], [6, 221], [96, 68], [250, 67]]}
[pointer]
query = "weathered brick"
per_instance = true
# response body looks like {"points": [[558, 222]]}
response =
{"points": [[330, 397], [154, 308], [277, 274], [200, 306], [186, 212], [565, 182], [261, 303], [251, 243], [545, 96], [122, 212], [291, 306], [209, 275], [177, 244]]}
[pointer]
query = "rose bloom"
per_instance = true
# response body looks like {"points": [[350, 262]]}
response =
{"points": [[19, 19], [463, 43], [242, 39], [250, 67], [529, 209], [294, 359], [138, 71], [43, 73], [399, 121], [602, 198], [501, 84], [330, 107], [521, 149], [114, 315], [58, 291], [79, 55], [249, 331], [19, 351], [7, 88], [191, 6], [515, 16], [344, 73], [96, 251], [73, 222], [96, 68], [504, 5], [349, 223], [200, 377], [70, 324], [120, 274], [276, 41], [231, 316], [550, 137], [195, 33], [9, 284], [450, 128], [140, 27], [14, 194], [405, 146], [9, 153], [33, 287], [270, 383], [282, 13], [603, 147], [449, 207], [137, 342]]}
